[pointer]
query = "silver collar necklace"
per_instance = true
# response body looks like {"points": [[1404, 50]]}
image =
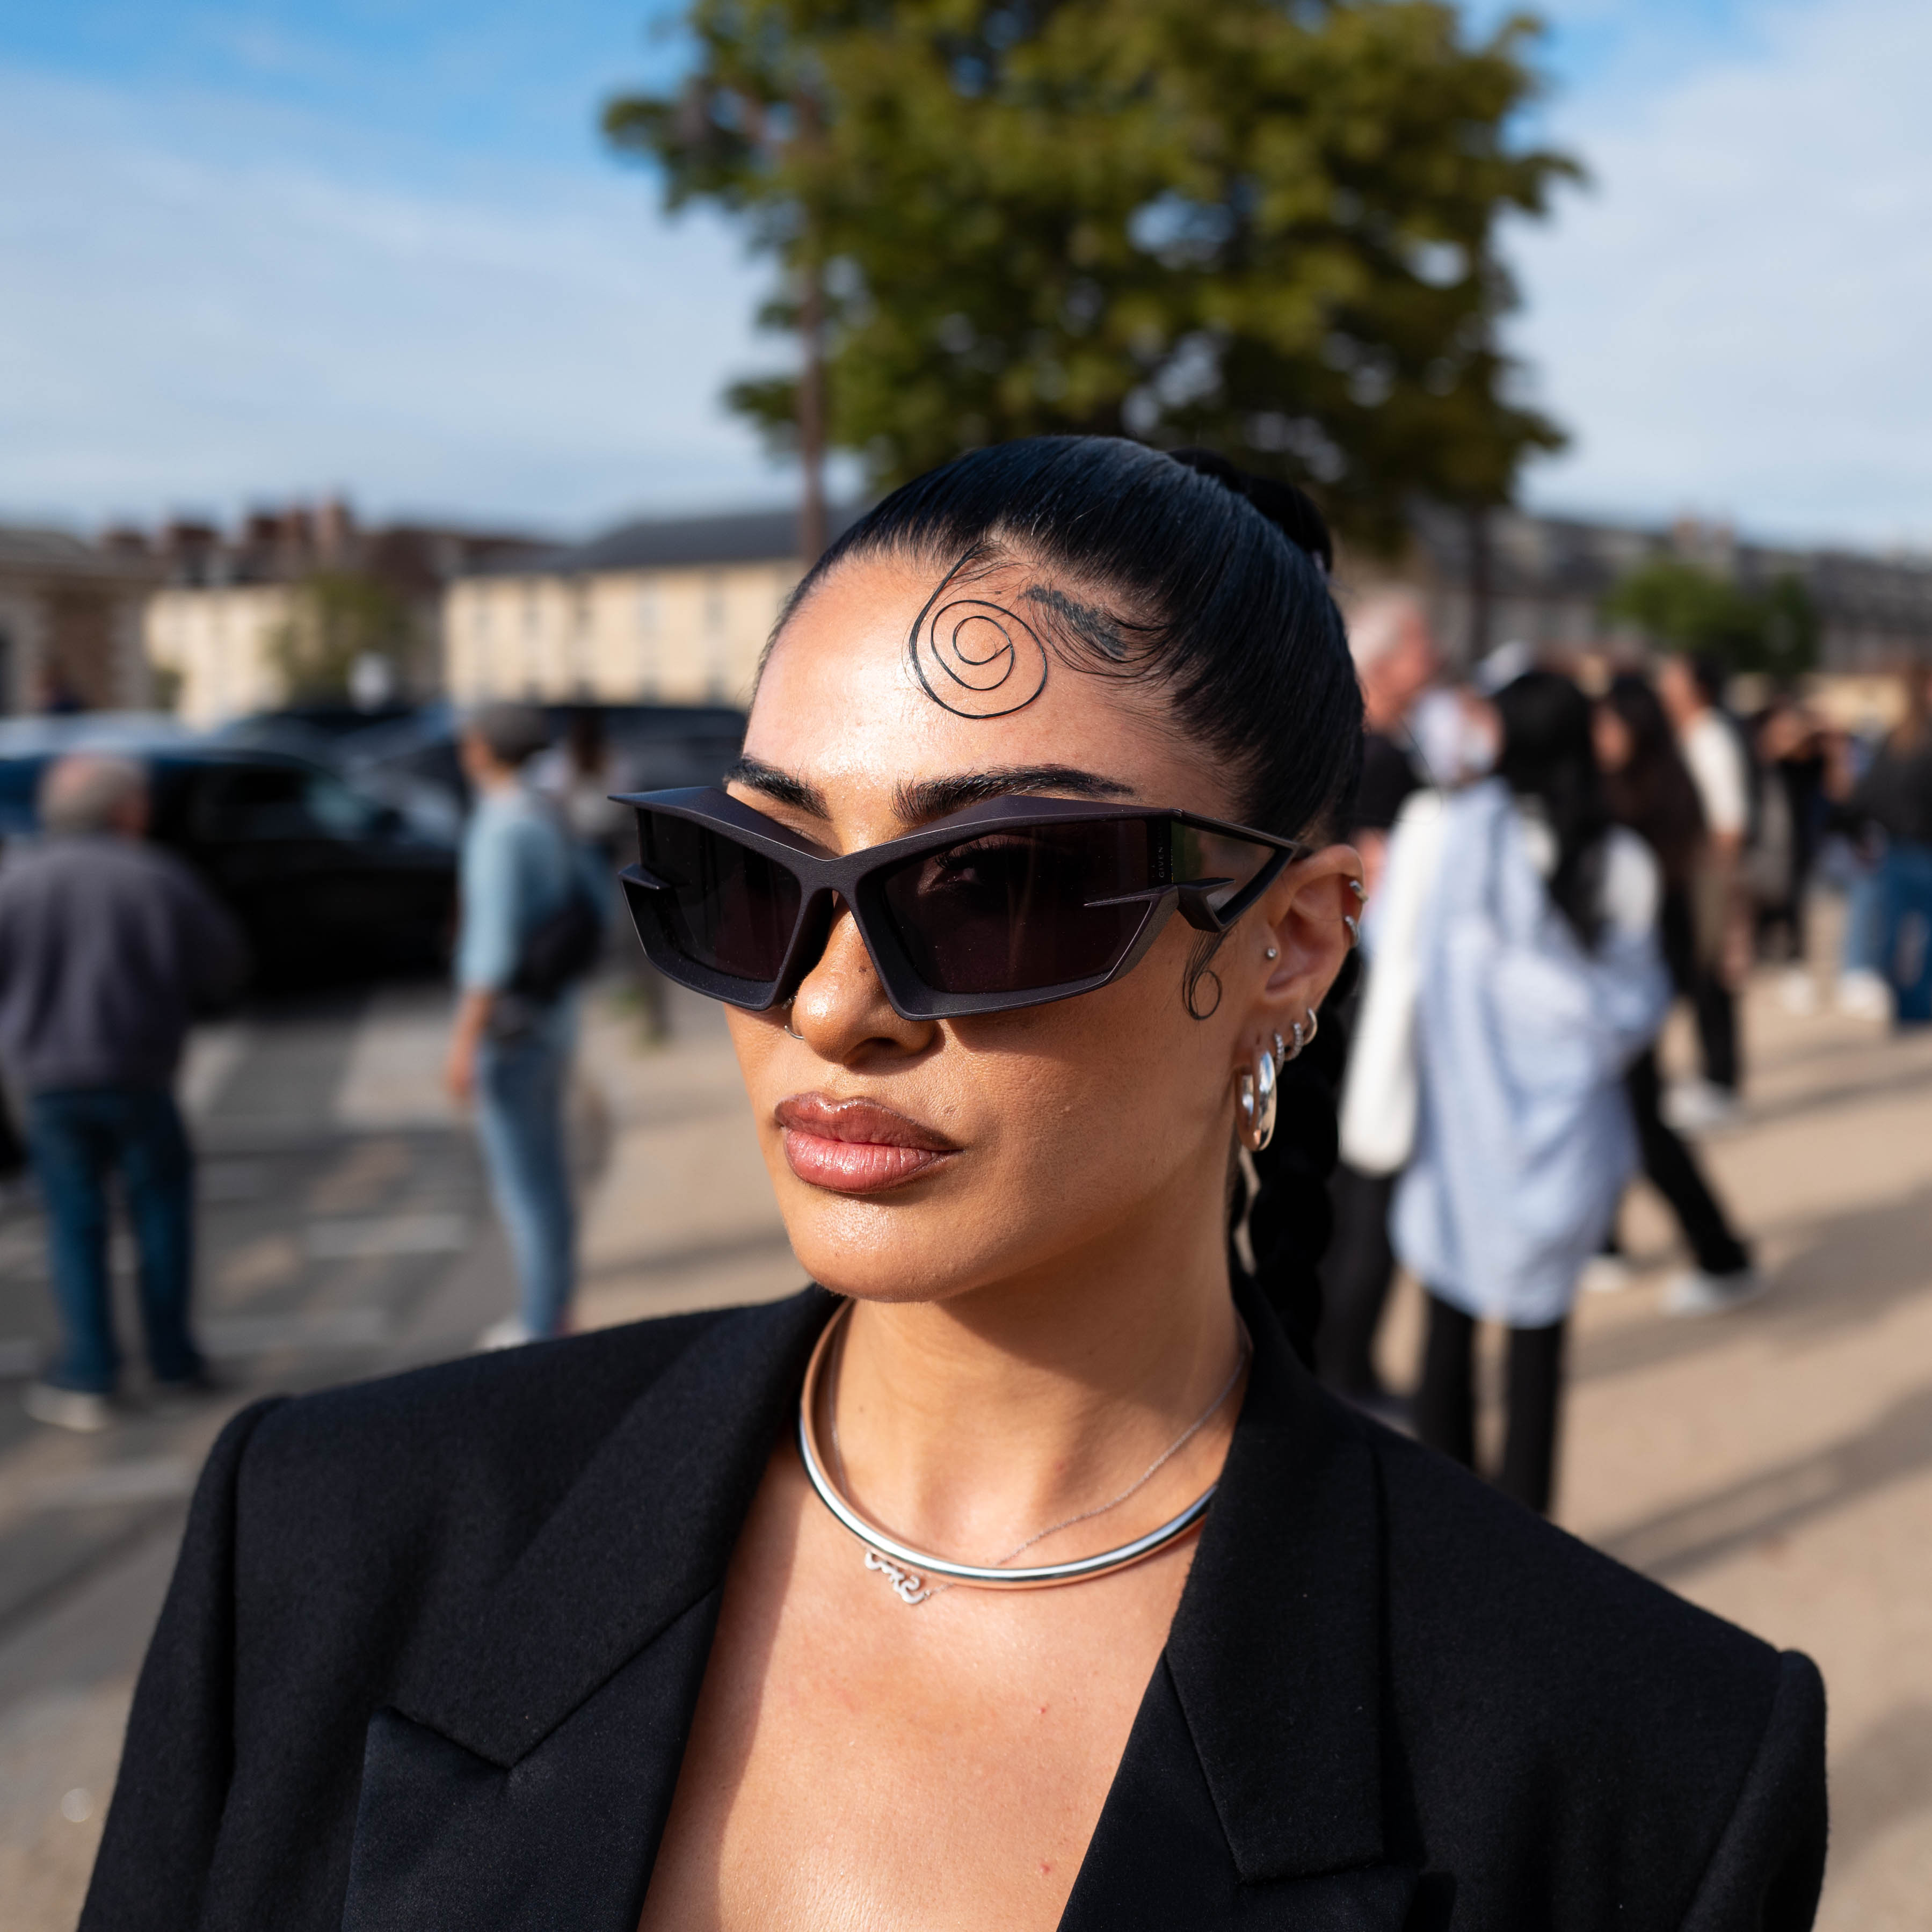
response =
{"points": [[908, 1570]]}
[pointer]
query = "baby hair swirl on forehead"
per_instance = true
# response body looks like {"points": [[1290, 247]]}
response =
{"points": [[978, 658], [974, 658]]}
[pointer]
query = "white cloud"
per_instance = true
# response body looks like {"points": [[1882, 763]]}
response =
{"points": [[1736, 318], [185, 324]]}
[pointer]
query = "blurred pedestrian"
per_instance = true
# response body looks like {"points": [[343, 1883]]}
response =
{"points": [[1396, 660], [580, 774], [532, 923], [108, 948], [1792, 762], [1649, 791], [1714, 751], [1531, 921], [1895, 796]]}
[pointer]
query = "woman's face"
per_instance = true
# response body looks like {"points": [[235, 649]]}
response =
{"points": [[919, 1159], [1615, 745]]}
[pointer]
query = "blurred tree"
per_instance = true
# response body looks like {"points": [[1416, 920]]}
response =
{"points": [[1267, 225], [339, 617], [1682, 608]]}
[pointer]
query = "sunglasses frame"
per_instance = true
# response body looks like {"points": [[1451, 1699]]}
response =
{"points": [[856, 879]]}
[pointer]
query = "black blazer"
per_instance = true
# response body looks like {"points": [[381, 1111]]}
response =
{"points": [[431, 1653]]}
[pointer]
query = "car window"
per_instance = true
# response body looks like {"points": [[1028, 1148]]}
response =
{"points": [[276, 802]]}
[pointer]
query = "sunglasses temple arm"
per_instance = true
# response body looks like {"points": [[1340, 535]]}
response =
{"points": [[649, 881]]}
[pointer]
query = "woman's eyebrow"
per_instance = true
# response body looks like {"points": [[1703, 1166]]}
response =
{"points": [[918, 801], [781, 787]]}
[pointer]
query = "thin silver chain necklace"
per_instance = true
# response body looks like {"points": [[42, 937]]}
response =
{"points": [[906, 1570]]}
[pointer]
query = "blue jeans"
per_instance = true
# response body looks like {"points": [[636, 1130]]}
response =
{"points": [[77, 1137], [520, 1088]]}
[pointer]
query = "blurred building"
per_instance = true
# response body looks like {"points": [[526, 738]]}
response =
{"points": [[71, 622], [672, 612], [1543, 580], [217, 630]]}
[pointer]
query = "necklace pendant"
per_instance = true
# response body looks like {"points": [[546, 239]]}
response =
{"points": [[910, 1588]]}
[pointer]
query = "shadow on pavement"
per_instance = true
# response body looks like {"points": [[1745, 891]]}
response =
{"points": [[1778, 1500]]}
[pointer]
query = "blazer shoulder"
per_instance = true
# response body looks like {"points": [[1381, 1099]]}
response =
{"points": [[494, 1439], [1555, 1643], [1581, 1721]]}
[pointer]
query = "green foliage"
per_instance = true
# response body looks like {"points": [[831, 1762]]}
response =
{"points": [[1266, 225], [339, 616], [1682, 608]]}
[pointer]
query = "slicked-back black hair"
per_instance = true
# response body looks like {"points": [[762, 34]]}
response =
{"points": [[1225, 612], [1218, 584]]}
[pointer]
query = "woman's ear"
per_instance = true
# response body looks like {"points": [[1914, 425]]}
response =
{"points": [[1307, 923]]}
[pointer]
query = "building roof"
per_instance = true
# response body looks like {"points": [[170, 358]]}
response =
{"points": [[742, 536], [39, 553]]}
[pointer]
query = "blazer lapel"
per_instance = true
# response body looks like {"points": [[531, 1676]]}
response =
{"points": [[1251, 1793], [523, 1776]]}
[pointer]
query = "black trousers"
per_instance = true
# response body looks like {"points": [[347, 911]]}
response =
{"points": [[1672, 1168], [1356, 1274], [1713, 1006], [1445, 1404]]}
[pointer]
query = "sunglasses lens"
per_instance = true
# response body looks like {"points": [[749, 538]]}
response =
{"points": [[729, 909], [1006, 911], [1199, 852]]}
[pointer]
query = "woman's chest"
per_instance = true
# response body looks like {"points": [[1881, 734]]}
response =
{"points": [[855, 1761]]}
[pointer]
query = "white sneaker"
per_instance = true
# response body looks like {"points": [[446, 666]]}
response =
{"points": [[1864, 995], [1694, 1292], [1799, 992], [509, 1333], [1699, 1107], [78, 1409], [1605, 1274]]}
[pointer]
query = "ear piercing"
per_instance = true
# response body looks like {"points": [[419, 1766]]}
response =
{"points": [[1360, 891], [1272, 953], [1302, 1035], [1354, 926]]}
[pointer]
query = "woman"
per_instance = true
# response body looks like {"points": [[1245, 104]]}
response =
{"points": [[578, 1636], [1650, 790], [1539, 980]]}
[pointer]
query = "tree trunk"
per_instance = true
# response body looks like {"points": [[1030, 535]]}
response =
{"points": [[1481, 594], [811, 526]]}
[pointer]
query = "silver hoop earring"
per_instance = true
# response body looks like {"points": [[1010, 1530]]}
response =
{"points": [[1254, 1102], [1360, 891], [1314, 1027], [791, 1031], [1354, 926], [1281, 1055]]}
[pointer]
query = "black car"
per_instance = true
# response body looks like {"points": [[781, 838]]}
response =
{"points": [[328, 884]]}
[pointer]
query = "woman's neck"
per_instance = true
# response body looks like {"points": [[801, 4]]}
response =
{"points": [[966, 1425]]}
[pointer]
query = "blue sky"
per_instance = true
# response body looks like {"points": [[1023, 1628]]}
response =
{"points": [[256, 249]]}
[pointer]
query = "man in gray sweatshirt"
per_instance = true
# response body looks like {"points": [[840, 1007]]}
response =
{"points": [[108, 948]]}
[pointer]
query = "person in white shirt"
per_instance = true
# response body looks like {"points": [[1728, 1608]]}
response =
{"points": [[1714, 751]]}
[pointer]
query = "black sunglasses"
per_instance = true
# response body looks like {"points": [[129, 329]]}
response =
{"points": [[1013, 903]]}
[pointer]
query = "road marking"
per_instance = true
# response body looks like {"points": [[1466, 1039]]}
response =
{"points": [[362, 1239]]}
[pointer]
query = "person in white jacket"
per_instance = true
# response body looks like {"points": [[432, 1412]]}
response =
{"points": [[1529, 923]]}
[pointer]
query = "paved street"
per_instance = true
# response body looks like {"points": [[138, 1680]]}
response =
{"points": [[1774, 1464]]}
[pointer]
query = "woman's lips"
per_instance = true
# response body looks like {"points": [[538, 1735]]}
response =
{"points": [[856, 1147]]}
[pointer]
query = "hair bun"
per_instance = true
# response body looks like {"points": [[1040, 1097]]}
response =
{"points": [[1292, 512]]}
